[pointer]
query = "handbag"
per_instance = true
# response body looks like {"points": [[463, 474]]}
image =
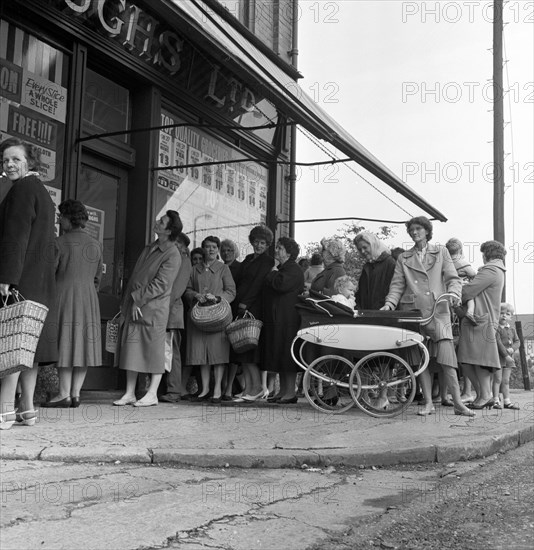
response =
{"points": [[244, 333], [211, 316], [21, 324], [112, 334]]}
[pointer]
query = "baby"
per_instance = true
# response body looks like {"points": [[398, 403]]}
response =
{"points": [[345, 288], [465, 271]]}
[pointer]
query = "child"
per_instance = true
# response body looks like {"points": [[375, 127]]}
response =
{"points": [[345, 288], [508, 343], [465, 271]]}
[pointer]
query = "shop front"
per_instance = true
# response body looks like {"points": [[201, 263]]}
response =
{"points": [[123, 105]]}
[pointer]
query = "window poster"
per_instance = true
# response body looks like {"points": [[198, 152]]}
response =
{"points": [[33, 97], [225, 200]]}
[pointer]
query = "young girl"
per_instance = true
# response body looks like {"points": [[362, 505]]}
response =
{"points": [[508, 343], [345, 288], [465, 271]]}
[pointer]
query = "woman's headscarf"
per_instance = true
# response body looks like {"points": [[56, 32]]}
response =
{"points": [[377, 246]]}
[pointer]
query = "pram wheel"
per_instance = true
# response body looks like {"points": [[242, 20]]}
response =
{"points": [[326, 384], [382, 384]]}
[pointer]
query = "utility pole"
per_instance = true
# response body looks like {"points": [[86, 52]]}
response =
{"points": [[498, 129], [498, 125]]}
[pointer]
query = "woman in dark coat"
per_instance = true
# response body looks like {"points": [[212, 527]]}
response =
{"points": [[333, 253], [477, 349], [281, 321], [78, 274], [254, 268], [373, 286], [27, 262]]}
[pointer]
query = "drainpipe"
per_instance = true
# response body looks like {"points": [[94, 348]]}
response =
{"points": [[293, 131]]}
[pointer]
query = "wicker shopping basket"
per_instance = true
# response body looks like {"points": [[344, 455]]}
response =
{"points": [[112, 334], [244, 333], [212, 316], [21, 324]]}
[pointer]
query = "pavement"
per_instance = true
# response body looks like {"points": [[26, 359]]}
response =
{"points": [[263, 435]]}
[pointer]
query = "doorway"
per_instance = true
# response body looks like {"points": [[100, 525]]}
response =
{"points": [[102, 187]]}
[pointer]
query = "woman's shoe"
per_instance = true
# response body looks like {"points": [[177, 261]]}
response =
{"points": [[61, 404], [24, 419], [487, 405], [497, 405], [447, 403], [426, 412], [512, 406], [471, 414], [6, 424], [123, 401], [289, 401], [273, 399], [264, 394], [75, 402]]}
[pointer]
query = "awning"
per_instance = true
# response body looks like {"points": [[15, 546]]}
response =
{"points": [[289, 96]]}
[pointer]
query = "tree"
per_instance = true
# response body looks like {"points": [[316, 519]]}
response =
{"points": [[353, 261]]}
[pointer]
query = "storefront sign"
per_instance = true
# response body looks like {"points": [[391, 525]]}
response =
{"points": [[30, 126], [95, 223], [44, 96], [145, 37], [132, 27], [10, 80]]}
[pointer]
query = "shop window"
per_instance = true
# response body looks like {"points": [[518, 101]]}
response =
{"points": [[106, 107], [33, 106], [216, 199]]}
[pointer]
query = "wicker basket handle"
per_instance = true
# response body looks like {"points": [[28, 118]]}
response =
{"points": [[17, 296]]}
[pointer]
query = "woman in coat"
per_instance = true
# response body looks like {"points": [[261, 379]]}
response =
{"points": [[78, 274], [281, 319], [477, 348], [333, 253], [145, 309], [421, 275], [27, 263], [377, 272], [209, 280], [254, 268]]}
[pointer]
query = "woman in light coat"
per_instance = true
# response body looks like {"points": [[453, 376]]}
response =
{"points": [[78, 275], [477, 349], [421, 275], [145, 309], [210, 279]]}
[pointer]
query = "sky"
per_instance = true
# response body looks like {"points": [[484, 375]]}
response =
{"points": [[411, 81]]}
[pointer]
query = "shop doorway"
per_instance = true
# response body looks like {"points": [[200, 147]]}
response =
{"points": [[102, 187]]}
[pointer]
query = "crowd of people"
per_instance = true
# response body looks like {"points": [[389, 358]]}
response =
{"points": [[159, 339]]}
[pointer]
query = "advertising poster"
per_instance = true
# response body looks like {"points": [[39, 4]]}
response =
{"points": [[95, 224], [207, 172], [43, 96], [221, 199]]}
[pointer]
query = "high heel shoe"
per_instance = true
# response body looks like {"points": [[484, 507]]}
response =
{"points": [[75, 402], [23, 420], [264, 394], [61, 404], [487, 405], [6, 424]]}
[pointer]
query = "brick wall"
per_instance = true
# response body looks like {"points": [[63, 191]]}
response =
{"points": [[270, 20]]}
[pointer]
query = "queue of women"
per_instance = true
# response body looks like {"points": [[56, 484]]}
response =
{"points": [[167, 279]]}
